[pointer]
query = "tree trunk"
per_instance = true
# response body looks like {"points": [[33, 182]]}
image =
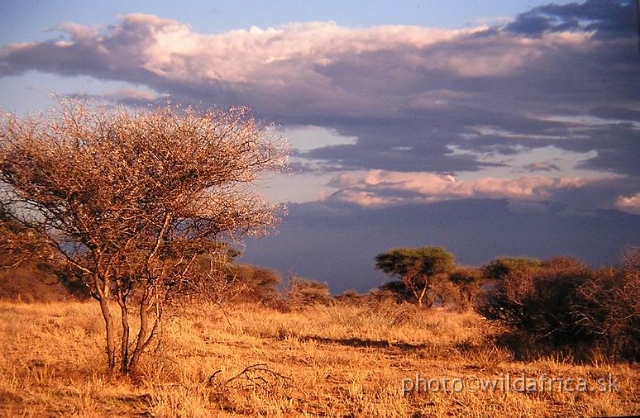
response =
{"points": [[111, 345], [421, 297], [146, 333], [124, 347]]}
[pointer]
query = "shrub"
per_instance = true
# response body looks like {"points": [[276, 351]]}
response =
{"points": [[351, 298], [393, 291], [468, 282], [608, 309], [502, 266], [562, 304], [258, 284], [305, 292]]}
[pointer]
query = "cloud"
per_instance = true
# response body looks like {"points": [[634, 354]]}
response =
{"points": [[415, 99], [132, 94], [607, 18], [379, 188], [629, 204], [542, 166]]}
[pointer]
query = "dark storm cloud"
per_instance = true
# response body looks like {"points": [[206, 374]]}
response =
{"points": [[359, 157], [418, 144], [599, 194], [608, 18], [611, 112]]}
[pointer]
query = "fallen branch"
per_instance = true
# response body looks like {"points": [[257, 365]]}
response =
{"points": [[256, 375]]}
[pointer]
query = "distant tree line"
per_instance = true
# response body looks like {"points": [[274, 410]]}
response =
{"points": [[546, 306]]}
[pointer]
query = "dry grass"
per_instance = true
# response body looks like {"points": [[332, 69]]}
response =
{"points": [[329, 361]]}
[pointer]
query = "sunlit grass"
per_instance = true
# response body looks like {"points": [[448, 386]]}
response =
{"points": [[322, 361]]}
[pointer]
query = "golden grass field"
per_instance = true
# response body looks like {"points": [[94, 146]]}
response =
{"points": [[339, 361]]}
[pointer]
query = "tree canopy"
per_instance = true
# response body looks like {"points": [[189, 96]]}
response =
{"points": [[416, 267], [501, 267]]}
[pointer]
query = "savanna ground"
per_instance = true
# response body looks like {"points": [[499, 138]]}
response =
{"points": [[338, 361]]}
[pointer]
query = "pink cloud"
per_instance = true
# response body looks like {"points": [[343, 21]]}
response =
{"points": [[172, 49], [630, 204], [379, 188]]}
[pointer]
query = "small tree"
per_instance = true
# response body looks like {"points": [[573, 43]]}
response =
{"points": [[469, 282], [131, 198], [418, 268], [351, 297]]}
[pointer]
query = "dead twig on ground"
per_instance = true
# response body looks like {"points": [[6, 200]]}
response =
{"points": [[253, 376]]}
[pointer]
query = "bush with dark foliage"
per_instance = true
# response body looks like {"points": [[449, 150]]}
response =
{"points": [[563, 305]]}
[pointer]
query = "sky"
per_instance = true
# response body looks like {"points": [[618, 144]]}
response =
{"points": [[492, 127]]}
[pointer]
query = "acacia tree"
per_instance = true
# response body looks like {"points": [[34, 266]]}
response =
{"points": [[417, 268], [130, 198]]}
